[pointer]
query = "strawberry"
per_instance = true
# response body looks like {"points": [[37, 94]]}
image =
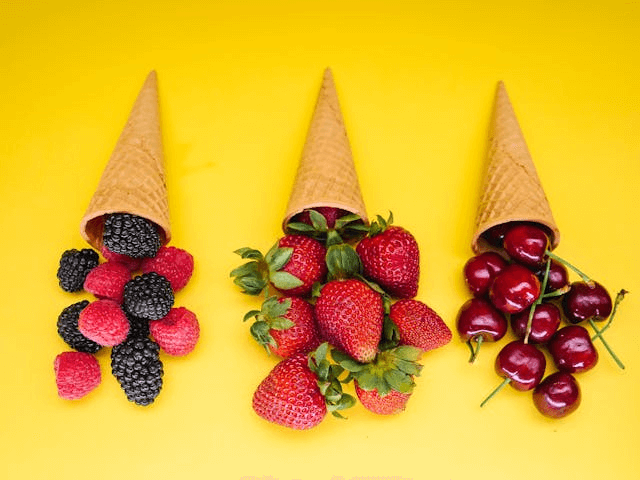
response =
{"points": [[293, 265], [384, 385], [419, 325], [391, 258], [300, 390], [349, 315], [328, 224], [285, 326]]}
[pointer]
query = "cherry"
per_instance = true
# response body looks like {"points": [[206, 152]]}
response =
{"points": [[544, 323], [479, 321], [526, 244], [557, 395], [514, 289], [495, 235], [572, 349], [586, 301], [521, 365], [558, 278], [479, 272]]}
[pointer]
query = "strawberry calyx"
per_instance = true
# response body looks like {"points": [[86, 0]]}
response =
{"points": [[330, 386], [349, 227], [271, 316], [254, 276], [392, 369], [342, 262], [379, 225]]}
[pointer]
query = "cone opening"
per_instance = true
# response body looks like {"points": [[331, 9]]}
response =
{"points": [[93, 228], [491, 237]]}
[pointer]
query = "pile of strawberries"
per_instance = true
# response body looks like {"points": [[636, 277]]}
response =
{"points": [[339, 307], [108, 320]]}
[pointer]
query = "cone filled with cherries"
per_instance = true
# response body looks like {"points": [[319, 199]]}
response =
{"points": [[338, 293], [519, 283]]}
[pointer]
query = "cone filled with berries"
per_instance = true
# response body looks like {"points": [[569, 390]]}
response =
{"points": [[133, 180], [511, 190], [326, 175]]}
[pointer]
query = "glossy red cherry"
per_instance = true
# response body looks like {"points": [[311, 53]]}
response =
{"points": [[586, 301], [479, 272], [495, 235], [514, 289], [526, 244], [558, 276], [522, 366], [479, 321], [544, 323], [572, 349], [557, 395]]}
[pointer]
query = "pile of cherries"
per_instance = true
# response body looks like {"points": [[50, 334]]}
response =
{"points": [[522, 283]]}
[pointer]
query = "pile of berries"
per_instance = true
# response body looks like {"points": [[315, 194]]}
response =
{"points": [[339, 307], [524, 285], [132, 310]]}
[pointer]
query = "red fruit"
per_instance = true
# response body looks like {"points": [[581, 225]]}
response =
{"points": [[349, 315], [331, 214], [558, 276], [131, 263], [479, 272], [290, 396], [104, 322], [175, 264], [479, 321], [558, 395], [107, 280], [306, 263], [526, 244], [586, 301], [572, 349], [177, 333], [419, 325], [391, 259], [544, 323], [285, 326], [514, 289], [390, 404], [77, 374]]}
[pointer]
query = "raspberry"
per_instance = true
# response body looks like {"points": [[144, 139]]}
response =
{"points": [[77, 374], [148, 296], [74, 267], [107, 280], [132, 264], [130, 235], [137, 366], [175, 264], [177, 333], [68, 329], [104, 322]]}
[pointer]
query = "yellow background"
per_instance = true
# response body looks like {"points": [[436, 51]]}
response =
{"points": [[238, 81]]}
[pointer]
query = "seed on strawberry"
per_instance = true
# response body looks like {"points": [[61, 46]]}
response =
{"points": [[285, 326], [293, 265], [391, 258], [419, 325]]}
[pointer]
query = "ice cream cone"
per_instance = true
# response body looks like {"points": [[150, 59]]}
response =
{"points": [[133, 180], [326, 175], [511, 190]]}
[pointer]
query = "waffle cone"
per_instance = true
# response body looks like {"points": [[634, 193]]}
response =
{"points": [[133, 180], [326, 175], [511, 189]]}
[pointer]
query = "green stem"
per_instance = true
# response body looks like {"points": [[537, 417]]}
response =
{"points": [[504, 383], [582, 275], [474, 353], [604, 342], [537, 302]]}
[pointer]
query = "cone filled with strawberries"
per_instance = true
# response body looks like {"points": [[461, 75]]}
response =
{"points": [[518, 282], [339, 293]]}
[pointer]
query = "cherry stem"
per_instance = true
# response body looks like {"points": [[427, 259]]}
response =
{"points": [[582, 275], [504, 383], [604, 342], [538, 301], [474, 353]]}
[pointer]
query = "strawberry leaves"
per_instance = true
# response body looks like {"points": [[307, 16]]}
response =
{"points": [[328, 381], [270, 317]]}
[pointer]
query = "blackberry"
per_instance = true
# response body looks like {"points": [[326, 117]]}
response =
{"points": [[68, 329], [138, 327], [131, 235], [74, 267], [148, 296], [137, 366]]}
